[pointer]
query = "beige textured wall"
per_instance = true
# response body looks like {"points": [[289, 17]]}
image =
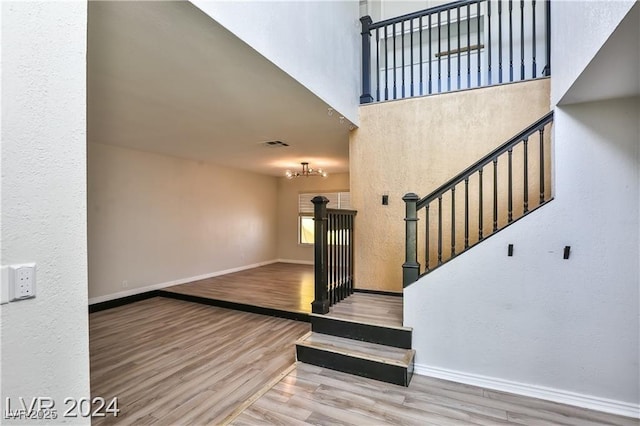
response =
{"points": [[288, 190], [416, 145], [154, 219]]}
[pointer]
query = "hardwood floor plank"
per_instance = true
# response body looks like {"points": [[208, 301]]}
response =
{"points": [[175, 362], [284, 286], [338, 398], [370, 309]]}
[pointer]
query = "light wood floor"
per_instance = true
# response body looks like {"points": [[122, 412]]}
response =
{"points": [[174, 362], [370, 309], [313, 395], [283, 286]]}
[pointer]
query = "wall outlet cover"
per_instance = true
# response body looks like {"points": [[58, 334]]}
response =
{"points": [[22, 281]]}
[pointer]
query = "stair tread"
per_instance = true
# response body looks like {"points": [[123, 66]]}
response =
{"points": [[358, 349]]}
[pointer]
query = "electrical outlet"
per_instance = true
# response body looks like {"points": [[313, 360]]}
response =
{"points": [[125, 284], [22, 281]]}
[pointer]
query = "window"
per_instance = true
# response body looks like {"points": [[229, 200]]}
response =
{"points": [[337, 200]]}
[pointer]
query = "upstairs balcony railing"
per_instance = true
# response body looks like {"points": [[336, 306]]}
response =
{"points": [[460, 45]]}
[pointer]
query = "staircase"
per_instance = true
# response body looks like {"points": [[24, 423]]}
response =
{"points": [[362, 335]]}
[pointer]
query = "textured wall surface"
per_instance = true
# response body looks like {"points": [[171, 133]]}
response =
{"points": [[415, 146], [316, 42], [154, 219], [534, 318], [45, 349], [288, 190]]}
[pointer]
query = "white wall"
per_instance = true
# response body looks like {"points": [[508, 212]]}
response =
{"points": [[592, 23], [156, 220], [535, 320], [45, 340], [316, 42]]}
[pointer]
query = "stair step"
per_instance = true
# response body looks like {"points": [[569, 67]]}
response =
{"points": [[389, 335], [385, 363]]}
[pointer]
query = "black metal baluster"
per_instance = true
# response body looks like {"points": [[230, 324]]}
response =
{"points": [[547, 11], [336, 248], [440, 230], [395, 86], [411, 53], [480, 203], [448, 50], [510, 189], [426, 238], [533, 39], [430, 82], [468, 46], [386, 64], [378, 64], [466, 213], [526, 176], [420, 47], [521, 39], [499, 41], [479, 83], [334, 280], [541, 164], [330, 258], [439, 54], [458, 31], [351, 237], [343, 258], [402, 54], [510, 40], [335, 259], [489, 41], [495, 194], [453, 221], [336, 236]]}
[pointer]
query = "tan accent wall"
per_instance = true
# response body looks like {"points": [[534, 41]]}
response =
{"points": [[288, 190], [153, 219], [416, 145]]}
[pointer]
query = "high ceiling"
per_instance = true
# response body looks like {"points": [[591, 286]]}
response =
{"points": [[164, 77], [618, 60]]}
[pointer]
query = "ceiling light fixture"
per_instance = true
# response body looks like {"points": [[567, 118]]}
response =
{"points": [[306, 172]]}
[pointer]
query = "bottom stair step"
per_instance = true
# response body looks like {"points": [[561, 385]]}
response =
{"points": [[379, 362]]}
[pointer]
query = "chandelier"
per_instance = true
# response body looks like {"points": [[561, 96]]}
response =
{"points": [[306, 172]]}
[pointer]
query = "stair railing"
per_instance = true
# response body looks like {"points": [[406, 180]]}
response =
{"points": [[488, 184], [333, 254], [459, 45]]}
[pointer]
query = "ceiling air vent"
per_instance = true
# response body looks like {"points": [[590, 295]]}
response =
{"points": [[275, 144]]}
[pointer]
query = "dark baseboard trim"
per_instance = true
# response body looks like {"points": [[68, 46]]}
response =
{"points": [[102, 306], [297, 316], [380, 292]]}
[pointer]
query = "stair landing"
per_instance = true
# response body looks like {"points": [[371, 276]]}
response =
{"points": [[368, 308]]}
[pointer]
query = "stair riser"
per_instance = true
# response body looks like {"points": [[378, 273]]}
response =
{"points": [[357, 366], [364, 332]]}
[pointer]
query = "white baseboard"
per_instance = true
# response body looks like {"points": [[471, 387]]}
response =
{"points": [[297, 262], [540, 392], [159, 286]]}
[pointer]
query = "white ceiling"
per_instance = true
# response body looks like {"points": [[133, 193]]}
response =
{"points": [[164, 77], [615, 70]]}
